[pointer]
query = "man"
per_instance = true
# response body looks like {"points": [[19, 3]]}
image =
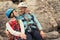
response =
{"points": [[30, 22]]}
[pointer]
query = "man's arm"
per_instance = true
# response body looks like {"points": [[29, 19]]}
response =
{"points": [[39, 26], [37, 22]]}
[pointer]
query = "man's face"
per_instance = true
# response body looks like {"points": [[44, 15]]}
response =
{"points": [[22, 10]]}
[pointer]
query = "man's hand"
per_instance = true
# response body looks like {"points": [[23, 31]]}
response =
{"points": [[42, 34], [23, 36]]}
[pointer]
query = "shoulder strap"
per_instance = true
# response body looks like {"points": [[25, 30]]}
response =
{"points": [[31, 16], [34, 21]]}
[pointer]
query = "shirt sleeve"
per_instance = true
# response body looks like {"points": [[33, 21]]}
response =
{"points": [[37, 22], [21, 26], [13, 32]]}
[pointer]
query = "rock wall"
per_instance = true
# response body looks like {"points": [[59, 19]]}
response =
{"points": [[44, 12], [5, 0], [47, 12], [3, 19]]}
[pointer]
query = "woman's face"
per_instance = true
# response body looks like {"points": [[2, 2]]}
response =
{"points": [[14, 13], [22, 10]]}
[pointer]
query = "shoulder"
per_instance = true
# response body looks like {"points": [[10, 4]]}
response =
{"points": [[31, 13], [11, 21], [8, 23]]}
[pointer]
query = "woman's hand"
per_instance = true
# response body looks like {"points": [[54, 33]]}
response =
{"points": [[23, 36]]}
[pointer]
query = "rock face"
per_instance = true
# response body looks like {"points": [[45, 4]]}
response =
{"points": [[52, 35], [4, 0], [44, 13], [3, 19], [47, 12]]}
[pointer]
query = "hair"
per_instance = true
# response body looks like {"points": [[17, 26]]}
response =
{"points": [[10, 13]]}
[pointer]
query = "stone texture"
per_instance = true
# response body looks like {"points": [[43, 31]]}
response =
{"points": [[1, 38], [47, 12], [53, 35], [3, 19], [44, 13]]}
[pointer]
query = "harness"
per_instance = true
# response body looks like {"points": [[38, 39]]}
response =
{"points": [[29, 26]]}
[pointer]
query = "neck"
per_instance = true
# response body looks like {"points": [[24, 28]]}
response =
{"points": [[22, 13], [13, 18]]}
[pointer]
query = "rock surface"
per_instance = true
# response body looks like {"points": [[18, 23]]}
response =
{"points": [[3, 19], [47, 12]]}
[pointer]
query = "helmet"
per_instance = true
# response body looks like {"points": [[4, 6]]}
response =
{"points": [[8, 12], [22, 4]]}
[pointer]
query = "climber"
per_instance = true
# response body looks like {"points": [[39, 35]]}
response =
{"points": [[14, 27], [31, 24]]}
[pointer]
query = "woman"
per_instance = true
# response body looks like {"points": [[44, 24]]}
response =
{"points": [[14, 27]]}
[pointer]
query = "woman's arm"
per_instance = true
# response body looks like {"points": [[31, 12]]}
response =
{"points": [[22, 26], [13, 32]]}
